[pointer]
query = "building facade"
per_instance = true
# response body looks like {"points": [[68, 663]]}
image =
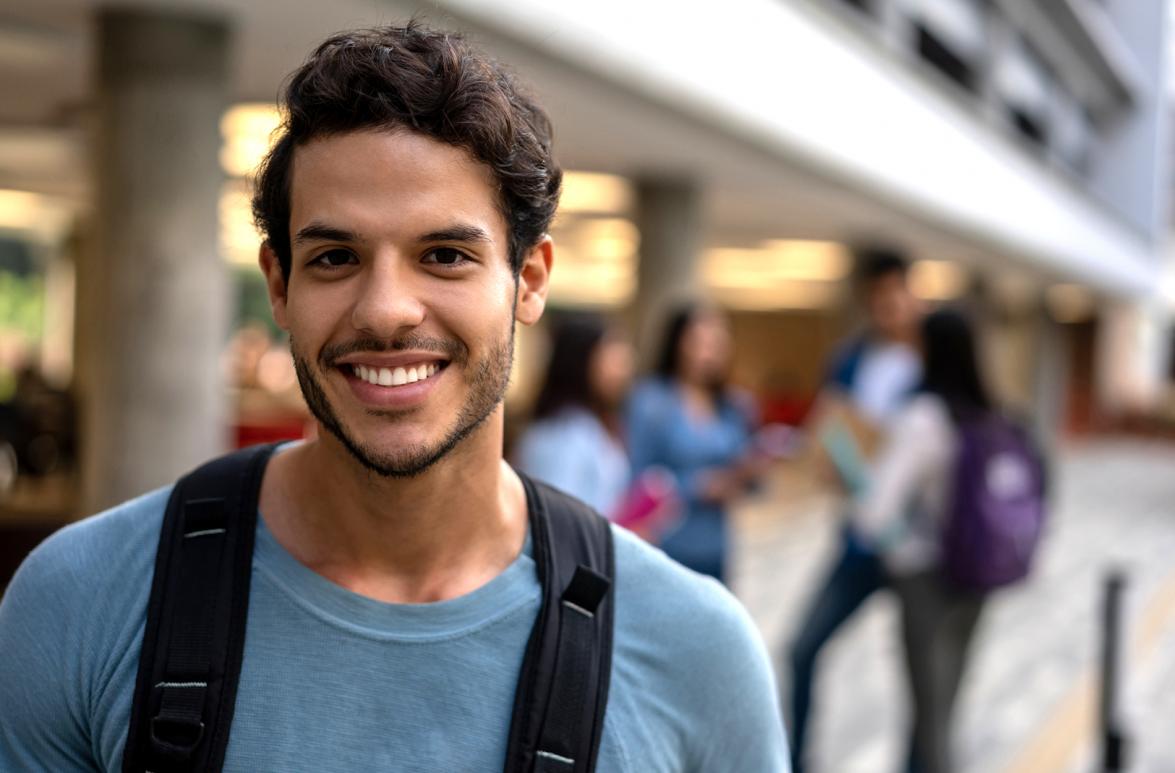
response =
{"points": [[1016, 149]]}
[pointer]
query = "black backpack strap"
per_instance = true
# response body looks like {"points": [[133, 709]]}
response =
{"points": [[194, 639], [563, 687]]}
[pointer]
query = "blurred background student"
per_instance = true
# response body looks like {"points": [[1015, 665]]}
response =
{"points": [[687, 419], [869, 380], [575, 442], [914, 490]]}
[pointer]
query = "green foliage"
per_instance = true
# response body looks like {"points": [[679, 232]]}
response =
{"points": [[253, 300], [22, 304]]}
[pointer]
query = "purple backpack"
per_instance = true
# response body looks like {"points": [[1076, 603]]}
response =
{"points": [[997, 505]]}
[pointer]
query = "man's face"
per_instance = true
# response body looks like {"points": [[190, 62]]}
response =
{"points": [[893, 310], [400, 301]]}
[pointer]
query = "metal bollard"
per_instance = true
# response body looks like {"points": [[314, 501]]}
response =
{"points": [[1113, 737]]}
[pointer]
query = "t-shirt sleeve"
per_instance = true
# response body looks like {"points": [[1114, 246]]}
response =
{"points": [[42, 713], [739, 726], [687, 648], [70, 621]]}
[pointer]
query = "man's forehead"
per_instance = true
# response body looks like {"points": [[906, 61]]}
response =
{"points": [[387, 176], [397, 152]]}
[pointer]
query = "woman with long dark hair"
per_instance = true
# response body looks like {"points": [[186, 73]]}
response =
{"points": [[575, 441], [903, 514], [687, 419]]}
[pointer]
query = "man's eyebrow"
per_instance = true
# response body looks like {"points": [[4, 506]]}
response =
{"points": [[319, 232], [457, 233]]}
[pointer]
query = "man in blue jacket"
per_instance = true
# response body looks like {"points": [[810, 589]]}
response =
{"points": [[871, 376]]}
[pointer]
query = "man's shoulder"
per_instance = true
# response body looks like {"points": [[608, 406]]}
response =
{"points": [[683, 612], [70, 623], [687, 654], [99, 550], [841, 368]]}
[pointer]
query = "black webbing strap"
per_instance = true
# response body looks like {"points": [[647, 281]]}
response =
{"points": [[194, 638], [196, 616], [563, 687]]}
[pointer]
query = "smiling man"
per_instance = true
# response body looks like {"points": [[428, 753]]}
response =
{"points": [[390, 595]]}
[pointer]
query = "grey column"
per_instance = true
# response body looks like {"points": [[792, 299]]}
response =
{"points": [[154, 294], [669, 216], [1050, 382]]}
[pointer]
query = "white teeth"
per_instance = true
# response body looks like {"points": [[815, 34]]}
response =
{"points": [[395, 376]]}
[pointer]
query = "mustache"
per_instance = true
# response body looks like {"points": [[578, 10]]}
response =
{"points": [[450, 349]]}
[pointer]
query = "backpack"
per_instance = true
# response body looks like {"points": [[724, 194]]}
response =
{"points": [[997, 505], [193, 643]]}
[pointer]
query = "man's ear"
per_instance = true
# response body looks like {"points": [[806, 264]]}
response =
{"points": [[275, 282], [534, 281]]}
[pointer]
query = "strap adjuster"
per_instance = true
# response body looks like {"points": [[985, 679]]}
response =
{"points": [[176, 737], [586, 591], [178, 728]]}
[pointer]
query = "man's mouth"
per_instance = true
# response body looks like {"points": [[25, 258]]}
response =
{"points": [[397, 376]]}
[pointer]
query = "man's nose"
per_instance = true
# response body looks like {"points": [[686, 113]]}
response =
{"points": [[389, 301]]}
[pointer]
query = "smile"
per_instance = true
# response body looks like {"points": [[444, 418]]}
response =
{"points": [[398, 376]]}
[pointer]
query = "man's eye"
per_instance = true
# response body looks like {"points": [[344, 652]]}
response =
{"points": [[445, 256], [334, 258]]}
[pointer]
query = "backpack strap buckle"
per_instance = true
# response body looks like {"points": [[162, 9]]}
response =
{"points": [[585, 591], [178, 728]]}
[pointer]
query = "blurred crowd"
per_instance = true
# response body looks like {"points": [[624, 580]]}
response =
{"points": [[944, 493]]}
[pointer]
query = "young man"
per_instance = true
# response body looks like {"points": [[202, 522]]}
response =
{"points": [[393, 581], [871, 378]]}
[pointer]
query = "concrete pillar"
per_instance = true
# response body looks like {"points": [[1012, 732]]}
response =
{"points": [[1050, 377], [1132, 356], [154, 296], [669, 216]]}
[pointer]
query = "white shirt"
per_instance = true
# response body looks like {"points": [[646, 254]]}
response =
{"points": [[902, 509], [575, 453], [887, 374]]}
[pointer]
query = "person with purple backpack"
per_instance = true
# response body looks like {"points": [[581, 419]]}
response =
{"points": [[954, 505]]}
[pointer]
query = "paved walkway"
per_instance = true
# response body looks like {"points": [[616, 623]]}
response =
{"points": [[1029, 702]]}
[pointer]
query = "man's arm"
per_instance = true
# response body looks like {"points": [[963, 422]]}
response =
{"points": [[707, 698], [741, 728], [43, 721]]}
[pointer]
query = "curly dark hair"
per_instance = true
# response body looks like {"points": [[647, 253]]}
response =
{"points": [[427, 81]]}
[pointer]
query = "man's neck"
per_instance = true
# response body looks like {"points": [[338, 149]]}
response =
{"points": [[895, 338], [435, 536]]}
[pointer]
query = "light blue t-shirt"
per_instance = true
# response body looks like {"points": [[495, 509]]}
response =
{"points": [[334, 681]]}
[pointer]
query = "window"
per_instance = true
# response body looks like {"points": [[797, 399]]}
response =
{"points": [[949, 35], [1072, 131], [1023, 85], [864, 6], [1028, 125], [940, 56]]}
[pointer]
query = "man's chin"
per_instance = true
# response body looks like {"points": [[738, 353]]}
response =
{"points": [[401, 462], [402, 456]]}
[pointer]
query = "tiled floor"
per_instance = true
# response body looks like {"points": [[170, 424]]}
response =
{"points": [[1030, 700]]}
